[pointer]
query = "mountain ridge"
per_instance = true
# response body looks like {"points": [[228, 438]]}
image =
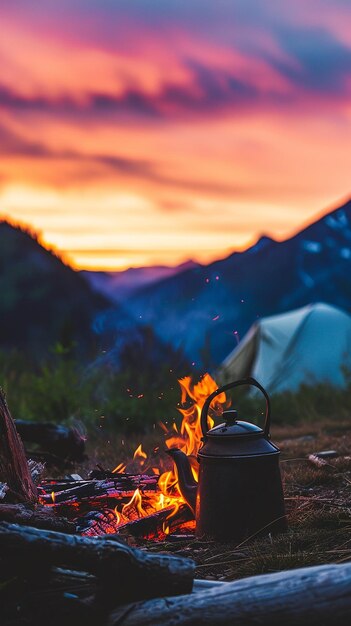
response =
{"points": [[202, 309], [119, 285], [47, 307], [43, 300], [205, 310]]}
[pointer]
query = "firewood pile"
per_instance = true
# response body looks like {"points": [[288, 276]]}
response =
{"points": [[61, 561]]}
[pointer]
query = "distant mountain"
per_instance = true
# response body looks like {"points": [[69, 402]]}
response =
{"points": [[120, 285], [207, 309], [42, 300]]}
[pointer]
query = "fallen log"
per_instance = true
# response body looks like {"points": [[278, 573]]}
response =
{"points": [[52, 597], [60, 441], [310, 596], [125, 574], [14, 470], [54, 608], [39, 517]]}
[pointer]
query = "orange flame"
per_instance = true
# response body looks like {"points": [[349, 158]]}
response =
{"points": [[134, 505], [118, 516], [119, 469], [139, 453], [188, 439]]}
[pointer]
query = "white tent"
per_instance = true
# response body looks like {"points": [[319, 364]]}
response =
{"points": [[308, 345]]}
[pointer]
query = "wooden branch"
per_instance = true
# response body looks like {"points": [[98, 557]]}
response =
{"points": [[14, 468], [310, 596], [125, 574]]}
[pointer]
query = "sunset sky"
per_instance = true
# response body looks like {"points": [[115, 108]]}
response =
{"points": [[135, 132]]}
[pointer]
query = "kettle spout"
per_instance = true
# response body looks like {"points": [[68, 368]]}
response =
{"points": [[187, 483]]}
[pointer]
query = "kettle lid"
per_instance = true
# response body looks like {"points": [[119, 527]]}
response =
{"points": [[232, 427]]}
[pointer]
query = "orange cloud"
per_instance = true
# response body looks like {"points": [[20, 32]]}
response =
{"points": [[159, 145]]}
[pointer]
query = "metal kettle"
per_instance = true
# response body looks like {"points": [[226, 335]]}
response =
{"points": [[239, 493]]}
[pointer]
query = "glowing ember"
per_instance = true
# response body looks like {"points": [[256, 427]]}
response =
{"points": [[187, 439]]}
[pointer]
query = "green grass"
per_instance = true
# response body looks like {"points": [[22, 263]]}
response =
{"points": [[61, 389], [135, 398]]}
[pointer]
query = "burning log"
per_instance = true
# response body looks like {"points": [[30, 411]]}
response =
{"points": [[97, 523], [58, 441], [125, 574], [14, 470], [122, 486], [154, 525], [310, 596]]}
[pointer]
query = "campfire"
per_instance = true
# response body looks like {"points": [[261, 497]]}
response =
{"points": [[51, 574], [140, 497]]}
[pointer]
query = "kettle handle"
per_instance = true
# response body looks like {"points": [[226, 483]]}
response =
{"points": [[237, 383]]}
